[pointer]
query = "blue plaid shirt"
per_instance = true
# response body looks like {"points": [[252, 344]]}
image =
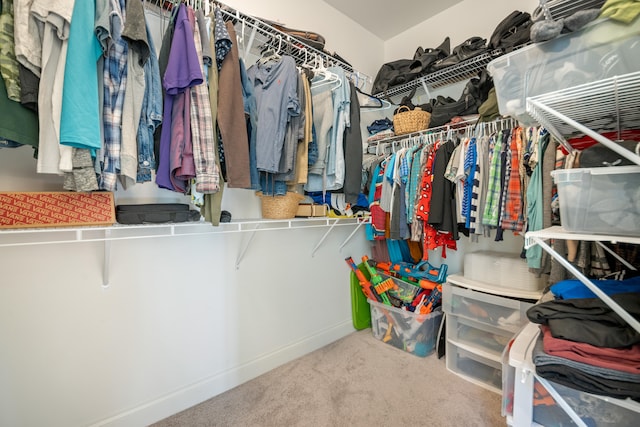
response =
{"points": [[115, 82]]}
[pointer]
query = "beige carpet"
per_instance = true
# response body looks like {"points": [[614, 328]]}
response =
{"points": [[356, 381]]}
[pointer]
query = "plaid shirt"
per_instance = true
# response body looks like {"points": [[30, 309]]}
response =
{"points": [[506, 165], [513, 216], [202, 132], [115, 82], [494, 188]]}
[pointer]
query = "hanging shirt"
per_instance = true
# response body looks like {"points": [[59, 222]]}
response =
{"points": [[151, 115], [115, 83], [202, 128], [513, 218], [54, 20], [494, 188], [183, 71], [275, 83], [8, 62], [80, 120], [341, 120]]}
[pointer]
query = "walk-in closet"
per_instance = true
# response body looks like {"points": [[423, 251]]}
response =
{"points": [[319, 212]]}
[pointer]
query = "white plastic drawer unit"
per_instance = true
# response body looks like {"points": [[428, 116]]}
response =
{"points": [[529, 401], [503, 313], [481, 337], [481, 369]]}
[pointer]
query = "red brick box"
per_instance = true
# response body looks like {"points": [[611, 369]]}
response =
{"points": [[55, 209]]}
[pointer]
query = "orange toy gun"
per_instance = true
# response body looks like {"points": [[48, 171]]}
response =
{"points": [[367, 288], [381, 285]]}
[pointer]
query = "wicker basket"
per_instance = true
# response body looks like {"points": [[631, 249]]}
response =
{"points": [[407, 121], [280, 207]]}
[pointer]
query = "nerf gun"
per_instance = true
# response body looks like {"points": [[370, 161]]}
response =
{"points": [[381, 285], [427, 304], [423, 272], [367, 289]]}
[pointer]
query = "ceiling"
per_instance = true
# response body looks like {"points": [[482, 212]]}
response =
{"points": [[387, 19]]}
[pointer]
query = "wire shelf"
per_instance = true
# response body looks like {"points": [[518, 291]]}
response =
{"points": [[450, 75], [593, 108], [283, 43]]}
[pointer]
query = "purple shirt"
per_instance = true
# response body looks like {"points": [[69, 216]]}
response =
{"points": [[183, 71]]}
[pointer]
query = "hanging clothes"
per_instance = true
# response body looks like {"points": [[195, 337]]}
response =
{"points": [[135, 33], [442, 209], [51, 51], [183, 72], [114, 76], [202, 127], [231, 118], [353, 150], [9, 70]]}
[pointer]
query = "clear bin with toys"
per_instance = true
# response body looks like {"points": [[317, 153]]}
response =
{"points": [[412, 331]]}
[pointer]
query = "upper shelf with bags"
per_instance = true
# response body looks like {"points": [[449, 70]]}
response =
{"points": [[441, 66], [438, 67]]}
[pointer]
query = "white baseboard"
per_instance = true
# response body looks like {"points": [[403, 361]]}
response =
{"points": [[208, 387]]}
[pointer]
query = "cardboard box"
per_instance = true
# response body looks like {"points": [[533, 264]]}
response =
{"points": [[308, 210], [55, 209]]}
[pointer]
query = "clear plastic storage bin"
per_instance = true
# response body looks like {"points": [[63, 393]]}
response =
{"points": [[602, 49], [501, 269], [412, 332], [600, 200]]}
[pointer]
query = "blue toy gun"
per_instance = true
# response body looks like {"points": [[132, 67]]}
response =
{"points": [[421, 271]]}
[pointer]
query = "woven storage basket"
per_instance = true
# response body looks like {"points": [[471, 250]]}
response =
{"points": [[407, 121], [280, 207]]}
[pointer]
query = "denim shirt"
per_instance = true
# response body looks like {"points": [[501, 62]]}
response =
{"points": [[251, 111], [151, 116]]}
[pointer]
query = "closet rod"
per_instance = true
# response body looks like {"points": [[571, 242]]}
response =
{"points": [[499, 123]]}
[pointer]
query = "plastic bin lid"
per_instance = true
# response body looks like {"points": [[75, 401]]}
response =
{"points": [[598, 171], [520, 353]]}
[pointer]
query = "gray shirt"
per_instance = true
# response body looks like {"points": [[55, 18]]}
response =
{"points": [[275, 83]]}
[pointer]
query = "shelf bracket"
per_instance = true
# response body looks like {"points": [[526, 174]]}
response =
{"points": [[426, 89], [243, 251], [106, 266], [635, 324], [315, 249], [360, 224]]}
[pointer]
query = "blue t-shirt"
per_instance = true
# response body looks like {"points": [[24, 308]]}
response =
{"points": [[573, 288]]}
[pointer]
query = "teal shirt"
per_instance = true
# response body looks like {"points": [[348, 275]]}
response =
{"points": [[80, 122]]}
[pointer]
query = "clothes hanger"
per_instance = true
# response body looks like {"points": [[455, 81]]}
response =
{"points": [[271, 54], [371, 102]]}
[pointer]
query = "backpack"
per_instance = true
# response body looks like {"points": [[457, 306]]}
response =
{"points": [[513, 31]]}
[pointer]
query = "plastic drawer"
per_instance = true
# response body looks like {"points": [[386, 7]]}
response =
{"points": [[478, 335], [503, 313], [474, 367], [597, 411]]}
